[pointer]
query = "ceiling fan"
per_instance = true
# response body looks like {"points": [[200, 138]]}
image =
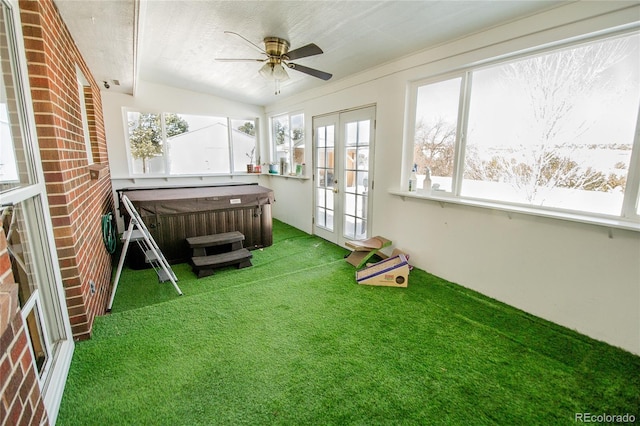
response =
{"points": [[278, 56]]}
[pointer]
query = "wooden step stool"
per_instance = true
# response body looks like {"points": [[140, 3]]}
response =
{"points": [[232, 252], [364, 250]]}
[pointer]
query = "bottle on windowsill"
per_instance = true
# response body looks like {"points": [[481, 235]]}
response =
{"points": [[413, 179], [426, 184]]}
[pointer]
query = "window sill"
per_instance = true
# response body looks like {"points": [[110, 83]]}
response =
{"points": [[443, 198], [135, 178], [287, 176]]}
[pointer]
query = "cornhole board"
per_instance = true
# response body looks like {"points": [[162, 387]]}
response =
{"points": [[391, 272], [365, 249]]}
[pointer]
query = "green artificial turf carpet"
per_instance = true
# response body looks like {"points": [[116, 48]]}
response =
{"points": [[294, 340]]}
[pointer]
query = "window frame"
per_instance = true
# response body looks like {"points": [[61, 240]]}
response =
{"points": [[82, 84], [272, 142], [629, 217], [166, 158], [49, 299]]}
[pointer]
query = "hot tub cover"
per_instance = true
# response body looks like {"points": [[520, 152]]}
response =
{"points": [[162, 201]]}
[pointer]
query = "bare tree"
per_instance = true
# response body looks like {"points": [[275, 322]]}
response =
{"points": [[554, 85], [434, 146]]}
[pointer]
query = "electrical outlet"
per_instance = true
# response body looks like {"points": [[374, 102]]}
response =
{"points": [[92, 287]]}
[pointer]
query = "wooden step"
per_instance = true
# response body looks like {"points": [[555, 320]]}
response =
{"points": [[203, 266], [200, 244]]}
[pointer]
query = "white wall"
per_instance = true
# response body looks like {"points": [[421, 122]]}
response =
{"points": [[585, 277]]}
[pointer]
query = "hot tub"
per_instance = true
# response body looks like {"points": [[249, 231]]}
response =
{"points": [[176, 213]]}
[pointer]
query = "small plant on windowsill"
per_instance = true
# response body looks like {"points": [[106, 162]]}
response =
{"points": [[250, 156]]}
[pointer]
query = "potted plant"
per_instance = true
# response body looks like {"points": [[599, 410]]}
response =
{"points": [[250, 156]]}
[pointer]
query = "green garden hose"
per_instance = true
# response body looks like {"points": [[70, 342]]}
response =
{"points": [[109, 233]]}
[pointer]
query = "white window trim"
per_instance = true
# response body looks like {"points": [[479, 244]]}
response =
{"points": [[166, 174], [628, 220], [53, 386], [272, 143], [82, 83]]}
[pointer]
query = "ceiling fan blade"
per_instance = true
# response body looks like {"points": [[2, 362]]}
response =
{"points": [[313, 72], [303, 52], [238, 60], [260, 49]]}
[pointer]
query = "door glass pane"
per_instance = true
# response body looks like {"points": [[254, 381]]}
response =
{"points": [[362, 182], [351, 133], [14, 168], [330, 199], [322, 158], [321, 197], [321, 217], [350, 204], [329, 167], [356, 178], [435, 132], [363, 132], [349, 226], [324, 177]]}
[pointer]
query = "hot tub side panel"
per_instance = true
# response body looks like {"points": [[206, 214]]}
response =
{"points": [[173, 215], [171, 230]]}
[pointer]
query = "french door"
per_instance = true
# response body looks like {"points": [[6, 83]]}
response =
{"points": [[343, 169]]}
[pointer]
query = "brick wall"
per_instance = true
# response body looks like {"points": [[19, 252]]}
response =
{"points": [[76, 201], [20, 398]]}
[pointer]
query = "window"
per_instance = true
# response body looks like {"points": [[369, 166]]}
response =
{"points": [[23, 218], [553, 131], [243, 140], [436, 130], [288, 141], [183, 144], [84, 93], [15, 169], [21, 229]]}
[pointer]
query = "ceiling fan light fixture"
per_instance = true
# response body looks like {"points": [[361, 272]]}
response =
{"points": [[274, 71], [267, 71], [278, 56], [279, 73]]}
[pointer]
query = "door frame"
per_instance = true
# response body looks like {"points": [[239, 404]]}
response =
{"points": [[339, 119]]}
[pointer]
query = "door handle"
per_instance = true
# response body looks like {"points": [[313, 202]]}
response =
{"points": [[335, 190]]}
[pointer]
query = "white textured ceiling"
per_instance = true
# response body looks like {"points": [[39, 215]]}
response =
{"points": [[176, 42]]}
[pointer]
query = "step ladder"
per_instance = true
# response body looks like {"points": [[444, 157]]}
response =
{"points": [[138, 232]]}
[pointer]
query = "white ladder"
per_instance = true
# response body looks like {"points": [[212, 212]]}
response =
{"points": [[138, 232]]}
